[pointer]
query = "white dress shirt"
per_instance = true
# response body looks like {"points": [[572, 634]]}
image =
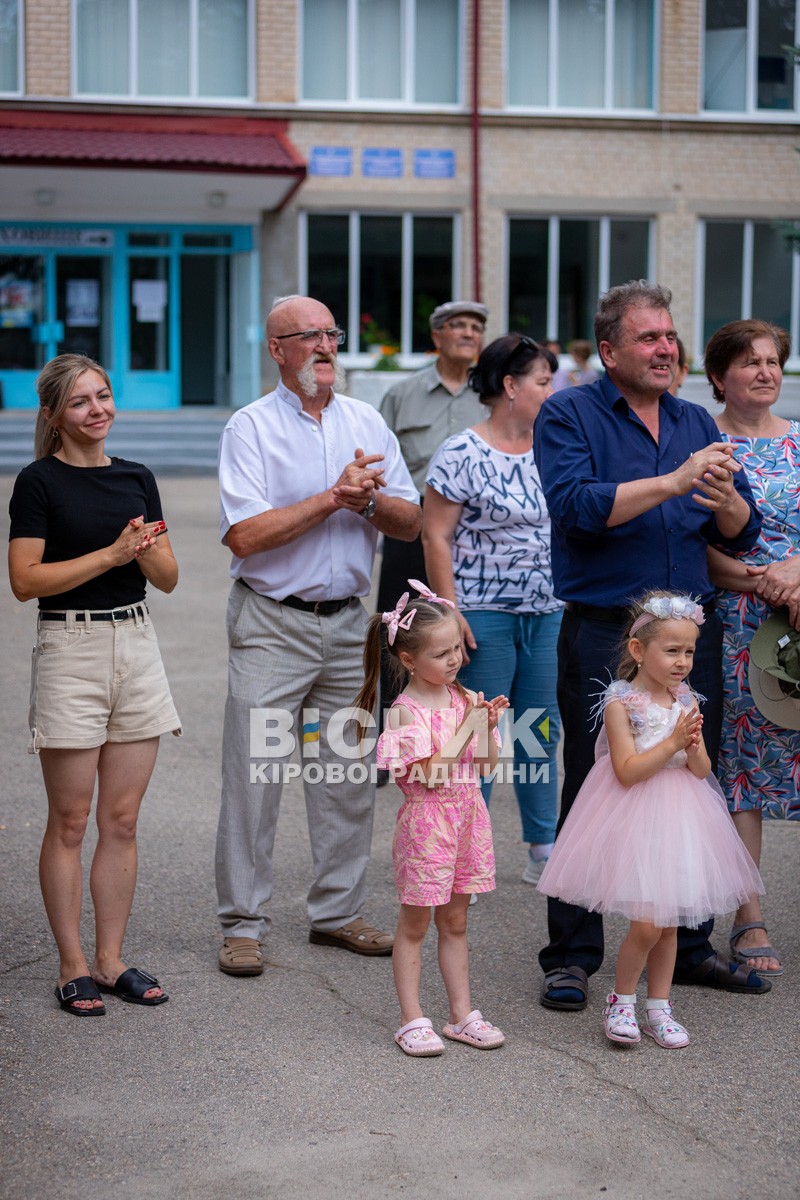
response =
{"points": [[273, 454]]}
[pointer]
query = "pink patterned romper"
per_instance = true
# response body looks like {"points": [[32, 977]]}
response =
{"points": [[443, 837]]}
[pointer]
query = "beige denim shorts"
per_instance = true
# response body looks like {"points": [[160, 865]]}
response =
{"points": [[98, 681]]}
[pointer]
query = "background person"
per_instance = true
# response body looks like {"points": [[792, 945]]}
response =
{"points": [[486, 533], [637, 485], [681, 370], [583, 372], [422, 411], [308, 479], [87, 536], [561, 377], [758, 760]]}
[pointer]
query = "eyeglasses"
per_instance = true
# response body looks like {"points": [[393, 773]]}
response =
{"points": [[313, 337], [465, 326]]}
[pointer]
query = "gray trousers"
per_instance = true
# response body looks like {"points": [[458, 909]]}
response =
{"points": [[283, 659]]}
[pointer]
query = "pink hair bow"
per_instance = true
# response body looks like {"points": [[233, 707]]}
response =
{"points": [[425, 593], [395, 619]]}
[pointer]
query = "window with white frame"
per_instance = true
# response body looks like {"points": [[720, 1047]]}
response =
{"points": [[747, 64], [558, 266], [381, 275], [581, 54], [180, 49], [749, 270], [11, 26], [381, 51]]}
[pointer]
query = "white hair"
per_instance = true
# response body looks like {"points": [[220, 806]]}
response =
{"points": [[282, 300]]}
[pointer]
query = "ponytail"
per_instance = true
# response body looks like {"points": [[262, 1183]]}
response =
{"points": [[368, 696]]}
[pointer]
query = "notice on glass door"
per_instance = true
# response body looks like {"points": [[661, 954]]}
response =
{"points": [[83, 303], [150, 300]]}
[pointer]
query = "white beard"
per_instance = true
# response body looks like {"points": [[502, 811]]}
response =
{"points": [[307, 378]]}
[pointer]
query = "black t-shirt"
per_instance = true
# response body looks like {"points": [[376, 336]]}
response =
{"points": [[80, 509]]}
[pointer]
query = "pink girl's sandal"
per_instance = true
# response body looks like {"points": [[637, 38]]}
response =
{"points": [[661, 1026], [419, 1039], [620, 1021], [475, 1032]]}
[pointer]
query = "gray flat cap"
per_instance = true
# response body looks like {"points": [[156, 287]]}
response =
{"points": [[454, 308]]}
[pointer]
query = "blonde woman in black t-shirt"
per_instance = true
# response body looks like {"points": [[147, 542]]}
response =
{"points": [[87, 535]]}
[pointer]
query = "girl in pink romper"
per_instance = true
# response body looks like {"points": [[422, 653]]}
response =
{"points": [[437, 738]]}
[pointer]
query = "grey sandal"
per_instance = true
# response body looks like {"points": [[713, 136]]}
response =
{"points": [[562, 987], [751, 952]]}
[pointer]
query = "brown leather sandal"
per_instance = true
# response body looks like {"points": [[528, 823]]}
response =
{"points": [[241, 956]]}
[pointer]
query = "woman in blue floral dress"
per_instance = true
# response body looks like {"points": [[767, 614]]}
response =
{"points": [[759, 763]]}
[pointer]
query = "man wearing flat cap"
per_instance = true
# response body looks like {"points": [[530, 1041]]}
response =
{"points": [[423, 411], [435, 403]]}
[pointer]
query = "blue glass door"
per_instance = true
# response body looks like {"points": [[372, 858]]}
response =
{"points": [[151, 370]]}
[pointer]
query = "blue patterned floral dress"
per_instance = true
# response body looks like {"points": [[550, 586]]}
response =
{"points": [[759, 764]]}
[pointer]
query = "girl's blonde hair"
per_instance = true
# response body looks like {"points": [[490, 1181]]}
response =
{"points": [[627, 665], [410, 641], [54, 387]]}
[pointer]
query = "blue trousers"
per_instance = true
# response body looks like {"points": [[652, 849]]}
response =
{"points": [[586, 653], [516, 657]]}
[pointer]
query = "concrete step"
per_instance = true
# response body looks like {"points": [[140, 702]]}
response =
{"points": [[177, 443]]}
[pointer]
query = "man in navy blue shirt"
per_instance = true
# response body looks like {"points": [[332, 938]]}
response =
{"points": [[638, 487]]}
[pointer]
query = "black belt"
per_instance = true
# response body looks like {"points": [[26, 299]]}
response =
{"points": [[320, 608], [614, 615], [112, 614]]}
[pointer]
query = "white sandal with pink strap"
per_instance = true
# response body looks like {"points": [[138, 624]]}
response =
{"points": [[661, 1026], [475, 1032], [419, 1039]]}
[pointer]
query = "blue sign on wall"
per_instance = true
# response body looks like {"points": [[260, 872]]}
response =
{"points": [[434, 164], [331, 160], [381, 162]]}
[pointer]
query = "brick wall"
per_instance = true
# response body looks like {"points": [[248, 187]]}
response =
{"points": [[277, 43], [681, 27], [47, 42]]}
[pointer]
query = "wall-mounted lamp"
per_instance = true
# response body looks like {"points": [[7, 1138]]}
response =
{"points": [[216, 199], [44, 196]]}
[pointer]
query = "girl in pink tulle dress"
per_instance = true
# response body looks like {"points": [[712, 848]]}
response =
{"points": [[437, 738], [649, 834]]}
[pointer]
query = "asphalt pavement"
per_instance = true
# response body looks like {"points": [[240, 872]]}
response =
{"points": [[290, 1085]]}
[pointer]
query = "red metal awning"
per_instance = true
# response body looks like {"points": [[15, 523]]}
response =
{"points": [[230, 145]]}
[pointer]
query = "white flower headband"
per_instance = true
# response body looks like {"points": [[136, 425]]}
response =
{"points": [[669, 608], [395, 619]]}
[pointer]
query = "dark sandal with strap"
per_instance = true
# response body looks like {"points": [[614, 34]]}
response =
{"points": [[131, 987], [750, 952], [82, 988], [569, 980], [358, 936], [717, 972]]}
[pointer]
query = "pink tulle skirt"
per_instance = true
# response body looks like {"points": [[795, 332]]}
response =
{"points": [[664, 851]]}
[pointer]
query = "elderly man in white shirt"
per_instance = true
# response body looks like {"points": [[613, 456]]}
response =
{"points": [[308, 479]]}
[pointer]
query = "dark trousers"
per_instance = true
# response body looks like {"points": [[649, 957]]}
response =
{"points": [[586, 653], [401, 561]]}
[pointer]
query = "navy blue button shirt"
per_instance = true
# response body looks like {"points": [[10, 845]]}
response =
{"points": [[586, 442]]}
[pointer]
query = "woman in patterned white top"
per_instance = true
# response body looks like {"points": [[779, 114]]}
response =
{"points": [[486, 535], [759, 763]]}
